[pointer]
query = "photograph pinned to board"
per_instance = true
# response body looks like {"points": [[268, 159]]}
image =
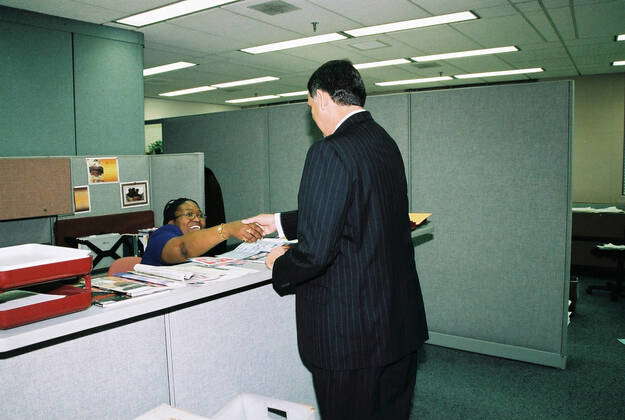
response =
{"points": [[82, 200], [102, 170], [134, 193]]}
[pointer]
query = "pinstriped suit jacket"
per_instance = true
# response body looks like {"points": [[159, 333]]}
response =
{"points": [[358, 299]]}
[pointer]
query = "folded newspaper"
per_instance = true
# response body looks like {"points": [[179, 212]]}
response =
{"points": [[182, 273]]}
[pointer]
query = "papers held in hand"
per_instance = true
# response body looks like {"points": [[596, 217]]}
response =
{"points": [[418, 218], [251, 249]]}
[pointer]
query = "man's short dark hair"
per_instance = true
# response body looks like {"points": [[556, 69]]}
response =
{"points": [[169, 212], [342, 82]]}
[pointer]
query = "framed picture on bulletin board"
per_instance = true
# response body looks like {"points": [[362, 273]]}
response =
{"points": [[134, 193], [82, 201], [102, 170]]}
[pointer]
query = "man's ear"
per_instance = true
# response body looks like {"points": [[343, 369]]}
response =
{"points": [[323, 97]]}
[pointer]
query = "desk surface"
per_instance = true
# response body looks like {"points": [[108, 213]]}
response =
{"points": [[93, 317]]}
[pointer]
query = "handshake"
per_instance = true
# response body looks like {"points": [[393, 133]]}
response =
{"points": [[267, 223]]}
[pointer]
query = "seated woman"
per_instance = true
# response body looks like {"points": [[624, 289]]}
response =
{"points": [[183, 234]]}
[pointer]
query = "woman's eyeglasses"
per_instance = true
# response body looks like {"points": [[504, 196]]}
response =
{"points": [[191, 215]]}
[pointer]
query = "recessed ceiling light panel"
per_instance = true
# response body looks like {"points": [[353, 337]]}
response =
{"points": [[498, 73], [381, 63], [167, 67], [447, 56], [188, 91], [245, 82], [252, 99], [171, 11], [412, 24], [298, 93], [414, 81], [300, 42], [618, 63]]}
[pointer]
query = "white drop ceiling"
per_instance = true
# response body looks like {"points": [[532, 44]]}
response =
{"points": [[567, 38]]}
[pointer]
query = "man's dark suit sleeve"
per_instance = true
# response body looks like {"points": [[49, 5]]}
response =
{"points": [[288, 220], [322, 203]]}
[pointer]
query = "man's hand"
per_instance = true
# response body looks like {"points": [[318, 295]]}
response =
{"points": [[265, 221], [275, 253], [245, 232]]}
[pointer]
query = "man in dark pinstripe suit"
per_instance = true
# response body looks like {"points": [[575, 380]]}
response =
{"points": [[360, 314]]}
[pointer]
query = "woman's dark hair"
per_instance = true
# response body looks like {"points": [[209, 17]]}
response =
{"points": [[342, 82], [169, 212]]}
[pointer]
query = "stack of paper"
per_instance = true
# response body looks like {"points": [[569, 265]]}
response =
{"points": [[127, 286]]}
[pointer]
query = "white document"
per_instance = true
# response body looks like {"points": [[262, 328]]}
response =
{"points": [[611, 209], [246, 250], [611, 246], [169, 272]]}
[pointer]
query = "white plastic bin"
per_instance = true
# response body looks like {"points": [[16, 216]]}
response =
{"points": [[167, 412], [259, 407]]}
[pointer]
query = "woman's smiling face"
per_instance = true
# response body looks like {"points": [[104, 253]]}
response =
{"points": [[189, 217]]}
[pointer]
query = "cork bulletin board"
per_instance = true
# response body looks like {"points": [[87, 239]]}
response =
{"points": [[34, 187]]}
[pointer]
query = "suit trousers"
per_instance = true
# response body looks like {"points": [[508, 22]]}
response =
{"points": [[377, 393]]}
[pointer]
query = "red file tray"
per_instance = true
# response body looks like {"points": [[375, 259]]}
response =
{"points": [[32, 264], [76, 299], [22, 265]]}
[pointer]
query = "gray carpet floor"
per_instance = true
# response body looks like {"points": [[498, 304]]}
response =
{"points": [[453, 384]]}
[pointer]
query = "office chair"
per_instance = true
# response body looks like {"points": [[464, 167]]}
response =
{"points": [[615, 288], [123, 264]]}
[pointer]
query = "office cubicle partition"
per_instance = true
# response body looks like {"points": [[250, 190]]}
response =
{"points": [[493, 166]]}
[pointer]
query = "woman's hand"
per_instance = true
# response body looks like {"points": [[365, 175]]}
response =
{"points": [[245, 232]]}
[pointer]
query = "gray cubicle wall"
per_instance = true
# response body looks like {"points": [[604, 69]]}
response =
{"points": [[493, 166], [168, 176], [173, 176], [69, 87], [235, 149], [491, 163]]}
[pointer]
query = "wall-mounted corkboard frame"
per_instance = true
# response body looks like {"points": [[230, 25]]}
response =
{"points": [[34, 187]]}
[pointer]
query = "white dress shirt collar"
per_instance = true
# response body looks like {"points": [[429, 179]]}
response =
{"points": [[347, 116]]}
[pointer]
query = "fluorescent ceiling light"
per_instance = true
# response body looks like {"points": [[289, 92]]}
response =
{"points": [[618, 63], [620, 37], [413, 81], [285, 45], [470, 53], [298, 93], [411, 24], [252, 99], [381, 63], [498, 73], [246, 82], [188, 91], [167, 67], [171, 11]]}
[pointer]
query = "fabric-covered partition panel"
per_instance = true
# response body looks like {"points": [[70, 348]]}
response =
{"points": [[493, 166], [173, 176], [235, 148], [291, 133]]}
